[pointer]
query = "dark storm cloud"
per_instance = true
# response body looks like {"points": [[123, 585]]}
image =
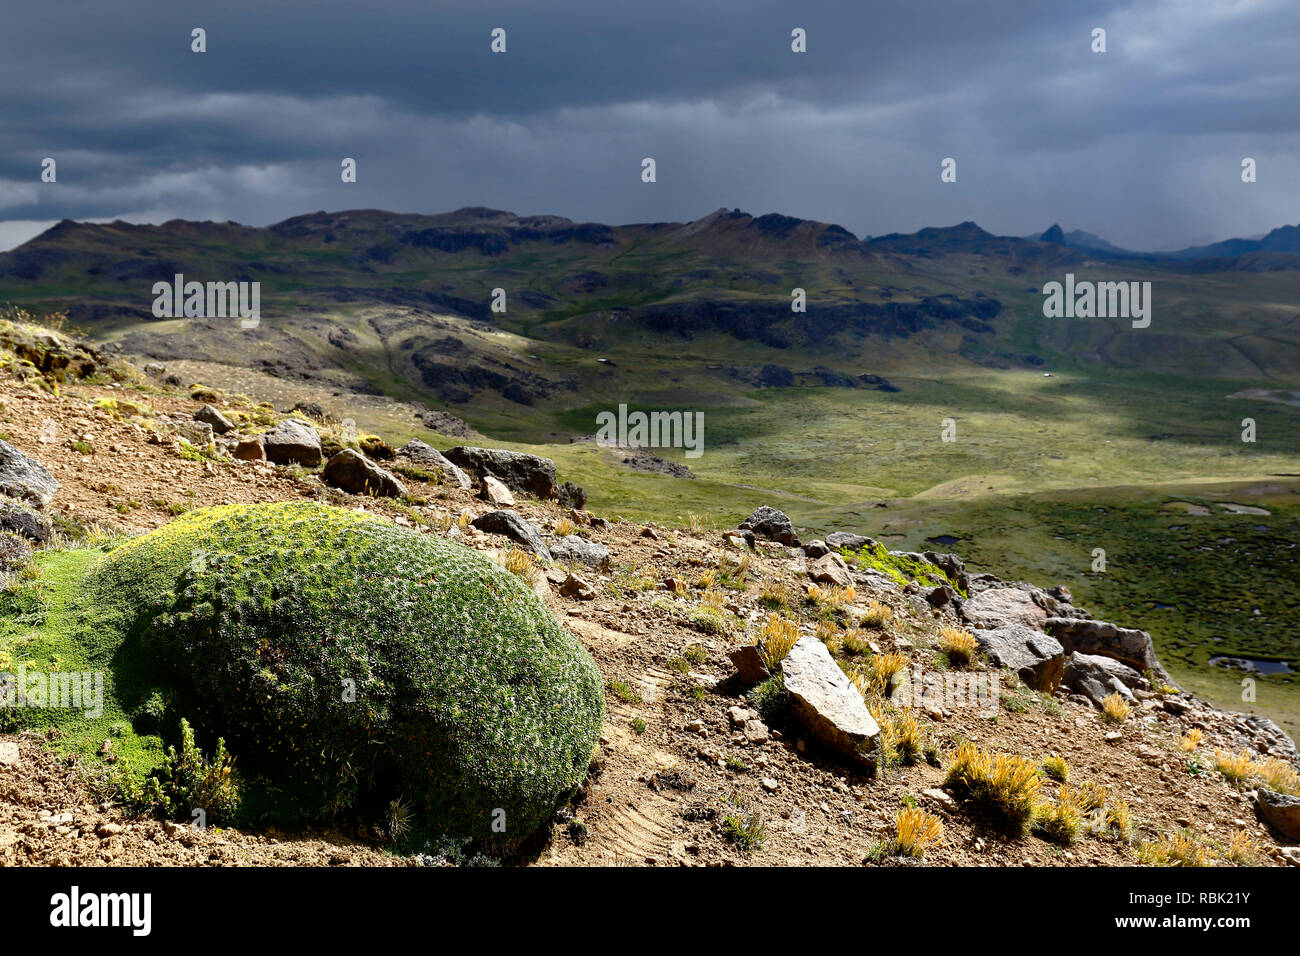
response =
{"points": [[1142, 144]]}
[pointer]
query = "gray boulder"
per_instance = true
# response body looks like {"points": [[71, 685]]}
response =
{"points": [[293, 441], [426, 456], [1004, 607], [844, 539], [1084, 635], [356, 474], [827, 705], [519, 472], [512, 525], [1097, 677], [211, 416], [577, 549], [774, 525], [1281, 811], [19, 519], [750, 666], [1036, 658], [25, 478]]}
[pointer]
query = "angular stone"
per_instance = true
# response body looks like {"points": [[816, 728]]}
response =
{"points": [[1281, 811], [815, 549], [209, 415], [353, 472], [575, 587], [774, 525], [1097, 677], [198, 434], [512, 525], [837, 540], [293, 441], [1003, 607], [426, 456], [496, 493], [250, 449], [827, 705], [749, 664], [519, 472], [830, 569], [574, 548], [23, 477], [1036, 658], [1128, 645]]}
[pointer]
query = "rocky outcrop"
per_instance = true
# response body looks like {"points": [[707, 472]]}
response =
{"points": [[520, 472], [830, 569], [1004, 607], [25, 478], [575, 549], [426, 456], [1280, 811], [774, 525], [293, 441], [1036, 658], [356, 474], [512, 525], [844, 539], [827, 705], [1097, 677], [211, 416], [1087, 636]]}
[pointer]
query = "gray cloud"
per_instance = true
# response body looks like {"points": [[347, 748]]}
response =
{"points": [[1142, 145]]}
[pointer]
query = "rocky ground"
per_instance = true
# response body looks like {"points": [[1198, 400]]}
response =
{"points": [[687, 773]]}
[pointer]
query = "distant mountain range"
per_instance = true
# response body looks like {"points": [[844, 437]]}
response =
{"points": [[403, 303]]}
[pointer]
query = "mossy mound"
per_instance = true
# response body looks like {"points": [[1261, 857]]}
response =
{"points": [[349, 661]]}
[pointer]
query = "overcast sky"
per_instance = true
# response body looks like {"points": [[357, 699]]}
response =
{"points": [[1142, 144]]}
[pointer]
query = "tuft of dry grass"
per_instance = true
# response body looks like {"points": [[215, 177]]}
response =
{"points": [[521, 563], [1191, 740], [1060, 822], [1120, 819], [1093, 796], [957, 645], [1003, 786], [1241, 849], [917, 831], [1114, 709], [877, 615], [564, 527], [1236, 768], [1279, 775], [1056, 768], [775, 639], [1177, 850]]}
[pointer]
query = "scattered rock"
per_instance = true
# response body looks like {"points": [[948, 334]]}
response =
{"points": [[511, 524], [426, 456], [827, 705], [519, 472], [830, 569], [1281, 811], [293, 441], [1097, 677], [838, 540], [1036, 658], [25, 478], [774, 525], [1131, 646], [496, 493], [209, 415], [815, 549], [749, 664], [575, 548], [576, 587], [356, 474]]}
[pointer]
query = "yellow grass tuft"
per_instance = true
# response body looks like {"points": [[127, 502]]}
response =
{"points": [[1177, 850], [877, 615], [957, 645], [917, 831], [1191, 740], [1056, 768], [564, 527], [1280, 776], [1235, 768], [1241, 849], [775, 639], [1004, 786], [1114, 709], [1062, 821]]}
